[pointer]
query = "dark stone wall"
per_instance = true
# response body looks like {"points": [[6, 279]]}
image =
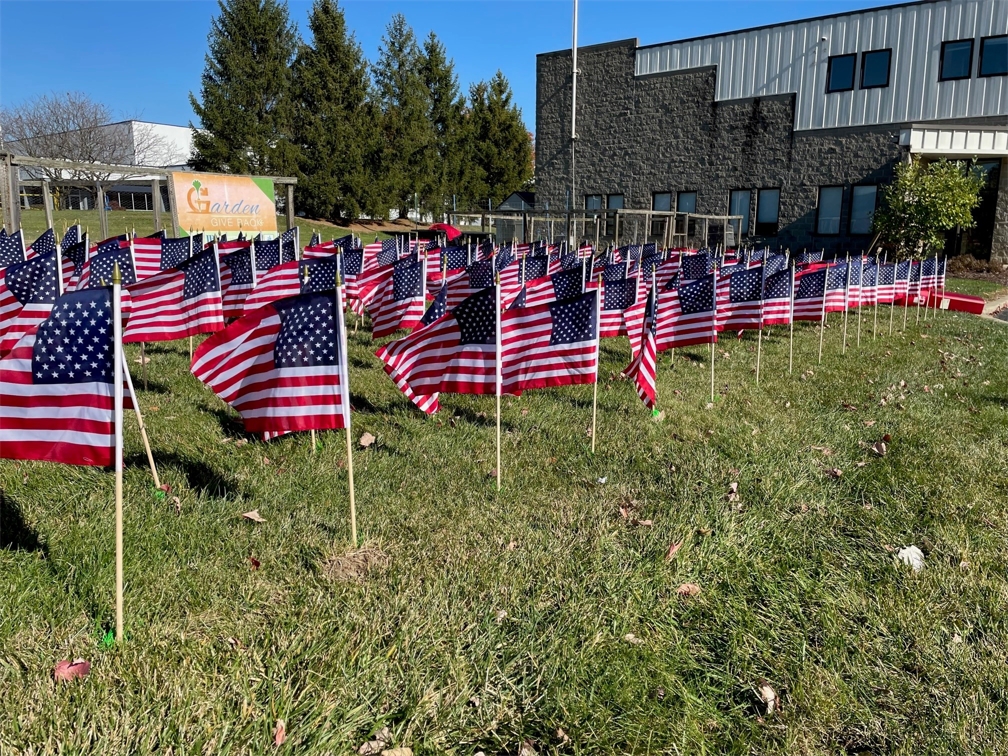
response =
{"points": [[665, 133]]}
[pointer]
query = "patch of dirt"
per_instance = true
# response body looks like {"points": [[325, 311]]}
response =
{"points": [[967, 266], [354, 566]]}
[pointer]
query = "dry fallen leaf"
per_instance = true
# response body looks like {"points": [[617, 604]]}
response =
{"points": [[633, 640], [835, 473], [375, 746], [659, 417], [562, 736], [78, 669], [880, 448], [279, 733], [397, 752], [241, 442], [254, 516], [688, 589], [500, 616], [769, 697], [732, 493], [869, 423], [527, 749], [887, 438], [672, 550], [256, 564], [366, 440]]}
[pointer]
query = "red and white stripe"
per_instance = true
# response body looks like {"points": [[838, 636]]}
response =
{"points": [[280, 282], [146, 257], [17, 319], [678, 330], [160, 313]]}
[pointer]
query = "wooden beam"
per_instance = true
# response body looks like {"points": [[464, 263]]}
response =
{"points": [[47, 203], [155, 190], [5, 195], [290, 206], [102, 215]]}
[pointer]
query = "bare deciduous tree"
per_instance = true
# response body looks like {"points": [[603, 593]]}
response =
{"points": [[74, 127]]}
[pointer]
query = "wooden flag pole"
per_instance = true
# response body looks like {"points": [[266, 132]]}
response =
{"points": [[860, 299], [822, 316], [140, 422], [878, 276], [906, 298], [117, 378], [790, 364], [497, 315], [598, 360], [846, 309], [345, 402], [143, 363], [712, 371]]}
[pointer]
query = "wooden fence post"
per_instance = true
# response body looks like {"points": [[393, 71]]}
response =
{"points": [[290, 206], [102, 215], [155, 191], [47, 203]]}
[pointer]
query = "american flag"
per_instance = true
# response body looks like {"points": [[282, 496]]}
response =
{"points": [[740, 297], [536, 266], [777, 298], [345, 243], [567, 284], [902, 281], [27, 292], [75, 257], [775, 262], [400, 303], [941, 274], [631, 252], [478, 276], [614, 272], [914, 285], [455, 354], [438, 308], [869, 283], [455, 258], [179, 302], [693, 267], [45, 244], [389, 252], [687, 314], [294, 278], [324, 249], [11, 247], [175, 251], [282, 367], [289, 245], [504, 257], [158, 235], [98, 271], [266, 255], [315, 240], [72, 236], [810, 294], [617, 297], [886, 283], [553, 344], [644, 367], [855, 283], [113, 242], [56, 385], [237, 277], [929, 274], [570, 260], [837, 280], [147, 256], [197, 243], [810, 257]]}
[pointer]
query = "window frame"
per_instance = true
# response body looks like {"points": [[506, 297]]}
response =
{"points": [[888, 73], [839, 210], [658, 225], [742, 231], [829, 73], [695, 198], [850, 210], [593, 209], [610, 213], [983, 43], [941, 60], [776, 222]]}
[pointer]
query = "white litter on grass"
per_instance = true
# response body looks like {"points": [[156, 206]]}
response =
{"points": [[602, 481], [912, 557]]}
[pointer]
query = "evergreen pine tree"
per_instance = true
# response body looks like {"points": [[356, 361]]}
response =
{"points": [[331, 118], [245, 106], [443, 162], [403, 100], [500, 144]]}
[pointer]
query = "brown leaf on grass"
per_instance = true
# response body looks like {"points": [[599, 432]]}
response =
{"points": [[377, 744], [254, 516], [562, 736], [768, 696], [704, 531], [887, 438], [64, 671], [279, 733], [869, 423], [266, 460], [500, 616], [154, 408], [255, 563], [688, 590], [241, 442], [524, 411], [366, 440], [527, 749], [178, 504], [880, 448], [401, 751], [835, 472], [824, 450], [732, 494], [860, 464], [673, 549], [633, 640], [849, 407], [355, 565], [512, 545]]}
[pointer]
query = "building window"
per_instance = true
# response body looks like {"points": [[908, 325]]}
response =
{"points": [[661, 201], [738, 204], [828, 214], [686, 202], [875, 69], [994, 56], [767, 211], [613, 202], [593, 202], [956, 60], [862, 209], [840, 73]]}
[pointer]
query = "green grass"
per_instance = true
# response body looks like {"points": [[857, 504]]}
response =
{"points": [[491, 619], [977, 287]]}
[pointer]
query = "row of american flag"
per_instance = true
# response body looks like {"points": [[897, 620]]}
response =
{"points": [[483, 319]]}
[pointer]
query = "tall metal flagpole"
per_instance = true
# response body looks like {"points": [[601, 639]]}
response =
{"points": [[574, 72]]}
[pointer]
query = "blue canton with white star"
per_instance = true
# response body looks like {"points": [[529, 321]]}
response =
{"points": [[477, 317], [71, 237], [318, 275], [438, 308], [504, 258], [455, 257], [811, 285], [620, 294], [267, 254], [103, 263], [78, 254], [778, 285], [308, 336], [113, 243], [11, 248], [389, 252], [174, 252], [695, 266], [353, 262], [45, 243], [887, 274], [240, 263], [74, 344], [837, 277], [574, 320], [745, 285], [536, 267], [288, 246], [481, 274], [407, 279], [567, 284], [34, 281], [697, 296], [201, 275]]}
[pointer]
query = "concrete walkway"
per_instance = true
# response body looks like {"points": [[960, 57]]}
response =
{"points": [[1001, 303]]}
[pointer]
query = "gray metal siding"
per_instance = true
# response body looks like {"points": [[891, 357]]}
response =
{"points": [[791, 58]]}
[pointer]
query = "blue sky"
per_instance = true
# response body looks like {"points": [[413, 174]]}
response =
{"points": [[110, 49]]}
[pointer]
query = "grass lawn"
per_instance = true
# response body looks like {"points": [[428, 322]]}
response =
{"points": [[977, 287], [547, 614]]}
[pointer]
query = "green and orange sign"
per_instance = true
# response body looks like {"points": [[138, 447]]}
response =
{"points": [[216, 203]]}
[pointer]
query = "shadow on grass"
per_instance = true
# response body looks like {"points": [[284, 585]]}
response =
{"points": [[152, 387], [199, 475], [15, 533], [230, 423]]}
